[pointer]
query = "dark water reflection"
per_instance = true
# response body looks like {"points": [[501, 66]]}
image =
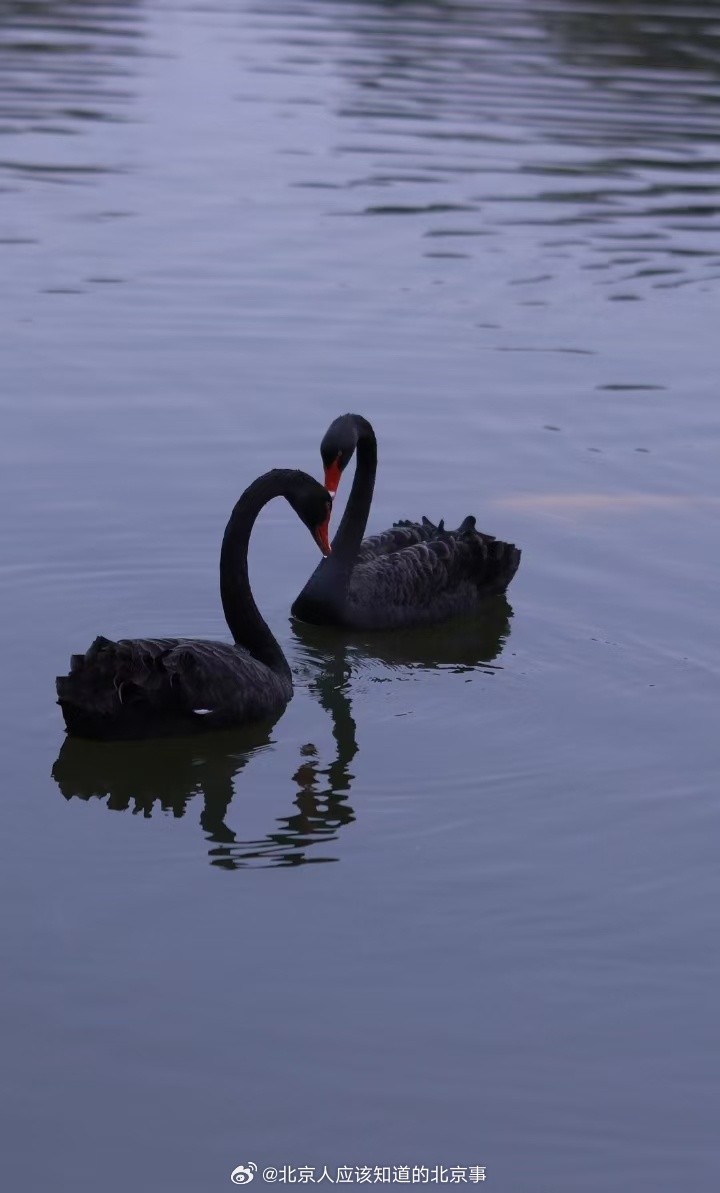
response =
{"points": [[166, 776], [462, 645]]}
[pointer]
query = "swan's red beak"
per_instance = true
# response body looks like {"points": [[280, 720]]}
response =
{"points": [[321, 537], [332, 477]]}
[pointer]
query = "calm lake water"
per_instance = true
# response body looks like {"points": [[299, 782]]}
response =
{"points": [[494, 230]]}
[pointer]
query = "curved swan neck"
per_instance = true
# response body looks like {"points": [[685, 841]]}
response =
{"points": [[246, 624], [349, 536]]}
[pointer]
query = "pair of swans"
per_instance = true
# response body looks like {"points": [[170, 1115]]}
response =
{"points": [[414, 574]]}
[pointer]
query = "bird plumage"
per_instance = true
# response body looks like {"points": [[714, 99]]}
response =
{"points": [[166, 686], [154, 687], [415, 573], [434, 575]]}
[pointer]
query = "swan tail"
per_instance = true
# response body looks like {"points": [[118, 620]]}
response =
{"points": [[499, 563], [114, 682]]}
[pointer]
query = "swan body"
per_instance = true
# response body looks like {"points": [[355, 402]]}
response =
{"points": [[139, 687], [414, 574], [152, 687]]}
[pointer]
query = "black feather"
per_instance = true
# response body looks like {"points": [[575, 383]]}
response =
{"points": [[415, 573]]}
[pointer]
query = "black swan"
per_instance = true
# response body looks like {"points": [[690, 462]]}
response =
{"points": [[155, 687], [414, 574]]}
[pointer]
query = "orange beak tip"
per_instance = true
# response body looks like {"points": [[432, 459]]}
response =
{"points": [[322, 540]]}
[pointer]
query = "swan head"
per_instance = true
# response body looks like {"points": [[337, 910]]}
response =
{"points": [[337, 447], [313, 506]]}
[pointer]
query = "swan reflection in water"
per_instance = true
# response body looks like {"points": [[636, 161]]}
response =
{"points": [[466, 644], [167, 774]]}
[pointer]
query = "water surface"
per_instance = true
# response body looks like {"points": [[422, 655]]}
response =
{"points": [[459, 904]]}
